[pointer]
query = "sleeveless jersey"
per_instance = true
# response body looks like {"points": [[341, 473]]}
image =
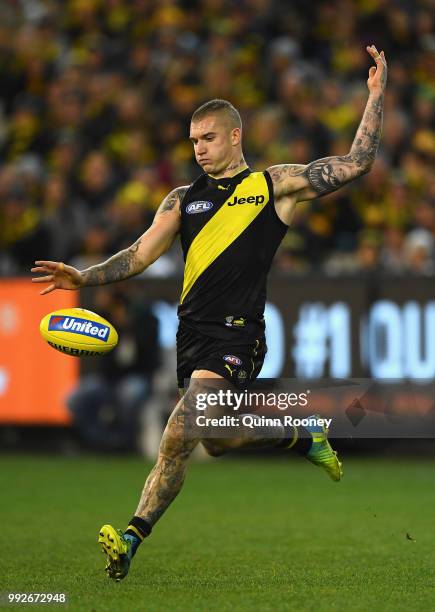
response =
{"points": [[230, 232]]}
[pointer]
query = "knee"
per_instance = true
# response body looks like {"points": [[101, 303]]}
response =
{"points": [[213, 449], [176, 441], [172, 445]]}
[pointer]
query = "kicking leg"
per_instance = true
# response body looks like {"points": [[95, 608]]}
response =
{"points": [[310, 442], [161, 487], [247, 437]]}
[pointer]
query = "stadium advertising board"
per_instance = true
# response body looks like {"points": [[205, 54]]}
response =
{"points": [[381, 328], [34, 379], [317, 328]]}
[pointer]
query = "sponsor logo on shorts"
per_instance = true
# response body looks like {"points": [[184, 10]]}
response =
{"points": [[83, 327], [232, 359], [242, 374], [255, 199], [198, 207], [231, 321], [230, 370]]}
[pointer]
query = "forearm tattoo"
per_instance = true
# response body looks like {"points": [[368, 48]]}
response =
{"points": [[330, 173], [366, 142], [124, 264]]}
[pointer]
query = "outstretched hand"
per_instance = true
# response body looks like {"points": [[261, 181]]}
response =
{"points": [[58, 274], [377, 74]]}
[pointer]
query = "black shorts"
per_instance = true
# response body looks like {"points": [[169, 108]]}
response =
{"points": [[237, 362]]}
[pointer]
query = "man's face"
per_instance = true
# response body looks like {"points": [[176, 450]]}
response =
{"points": [[213, 141]]}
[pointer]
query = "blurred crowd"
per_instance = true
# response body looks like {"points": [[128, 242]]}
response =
{"points": [[96, 98], [107, 406]]}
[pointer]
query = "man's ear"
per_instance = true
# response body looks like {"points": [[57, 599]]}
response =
{"points": [[236, 136]]}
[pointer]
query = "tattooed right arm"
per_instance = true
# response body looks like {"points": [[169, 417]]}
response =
{"points": [[153, 243], [149, 247]]}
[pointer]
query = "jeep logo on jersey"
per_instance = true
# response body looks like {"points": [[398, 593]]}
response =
{"points": [[79, 326], [198, 207], [232, 359], [257, 199]]}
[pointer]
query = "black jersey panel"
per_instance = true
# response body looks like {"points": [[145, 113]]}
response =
{"points": [[228, 253]]}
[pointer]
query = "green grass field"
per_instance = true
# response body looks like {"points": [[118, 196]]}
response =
{"points": [[242, 535]]}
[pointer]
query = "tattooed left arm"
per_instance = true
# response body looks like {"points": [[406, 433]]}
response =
{"points": [[299, 183]]}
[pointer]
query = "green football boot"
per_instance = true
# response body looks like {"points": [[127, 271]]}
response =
{"points": [[322, 454]]}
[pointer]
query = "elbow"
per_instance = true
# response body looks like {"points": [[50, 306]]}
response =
{"points": [[364, 162], [365, 168], [362, 165]]}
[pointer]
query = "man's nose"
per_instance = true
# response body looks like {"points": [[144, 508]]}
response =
{"points": [[201, 149]]}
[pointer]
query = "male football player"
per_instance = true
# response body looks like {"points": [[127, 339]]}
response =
{"points": [[230, 221]]}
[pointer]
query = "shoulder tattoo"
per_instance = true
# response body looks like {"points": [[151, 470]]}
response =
{"points": [[172, 199]]}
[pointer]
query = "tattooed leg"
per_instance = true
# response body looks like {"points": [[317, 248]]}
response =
{"points": [[246, 437], [166, 478], [260, 437]]}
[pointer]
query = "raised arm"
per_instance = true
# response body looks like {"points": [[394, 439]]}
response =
{"points": [[296, 183], [128, 262]]}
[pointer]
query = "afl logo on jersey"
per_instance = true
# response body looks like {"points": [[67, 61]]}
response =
{"points": [[198, 207]]}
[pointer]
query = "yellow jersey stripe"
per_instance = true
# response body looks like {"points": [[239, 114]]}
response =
{"points": [[224, 228]]}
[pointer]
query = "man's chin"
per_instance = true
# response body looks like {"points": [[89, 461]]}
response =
{"points": [[210, 168]]}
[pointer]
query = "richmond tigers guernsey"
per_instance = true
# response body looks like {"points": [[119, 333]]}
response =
{"points": [[229, 234]]}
